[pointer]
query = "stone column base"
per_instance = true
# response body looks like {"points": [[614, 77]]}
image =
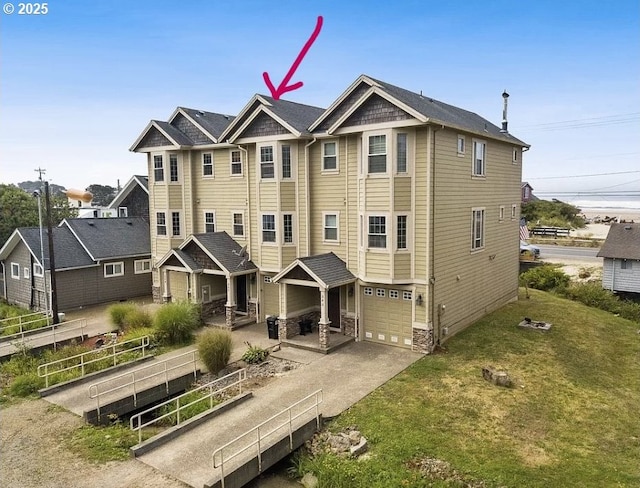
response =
{"points": [[323, 332], [230, 318], [423, 340]]}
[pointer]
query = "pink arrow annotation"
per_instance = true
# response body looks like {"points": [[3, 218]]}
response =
{"points": [[284, 87]]}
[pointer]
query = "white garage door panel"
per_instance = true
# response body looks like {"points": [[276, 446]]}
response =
{"points": [[178, 282], [387, 320]]}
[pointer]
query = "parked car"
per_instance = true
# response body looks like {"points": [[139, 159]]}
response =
{"points": [[525, 246]]}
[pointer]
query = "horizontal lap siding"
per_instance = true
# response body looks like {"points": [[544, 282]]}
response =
{"points": [[618, 279], [353, 221], [269, 257], [422, 202], [472, 284], [270, 304], [19, 290], [402, 194], [378, 265], [301, 297], [289, 254], [288, 196], [302, 200], [218, 284], [402, 266], [377, 194]]}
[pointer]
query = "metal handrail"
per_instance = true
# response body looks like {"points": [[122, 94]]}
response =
{"points": [[94, 389], [20, 317], [241, 374], [144, 343], [22, 324], [82, 323], [261, 436]]}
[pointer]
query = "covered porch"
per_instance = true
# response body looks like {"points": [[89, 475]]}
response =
{"points": [[317, 303]]}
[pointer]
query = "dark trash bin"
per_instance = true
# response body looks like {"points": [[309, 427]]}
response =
{"points": [[272, 327], [305, 326]]}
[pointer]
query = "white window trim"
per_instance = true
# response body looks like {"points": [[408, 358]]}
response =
{"points": [[204, 220], [213, 166], [410, 156], [142, 263], [324, 226], [368, 291], [202, 288], [267, 279], [394, 294], [178, 168], [514, 211], [473, 158], [233, 228], [275, 229], [292, 161], [26, 272], [170, 224], [113, 275], [514, 156], [125, 213], [395, 232], [231, 163], [274, 148], [166, 227], [381, 292], [483, 230], [335, 170], [293, 229], [501, 213], [388, 232], [461, 153], [388, 153], [407, 295], [38, 271], [15, 271], [163, 181]]}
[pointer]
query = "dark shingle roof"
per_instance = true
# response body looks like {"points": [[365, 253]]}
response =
{"points": [[67, 250], [329, 268], [178, 136], [212, 122], [112, 237], [227, 251], [188, 260], [623, 242], [443, 112], [298, 115]]}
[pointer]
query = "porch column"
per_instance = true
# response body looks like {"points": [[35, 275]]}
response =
{"points": [[323, 325], [284, 329], [230, 306], [166, 286]]}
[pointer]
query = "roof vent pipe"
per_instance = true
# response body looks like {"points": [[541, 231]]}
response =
{"points": [[505, 95]]}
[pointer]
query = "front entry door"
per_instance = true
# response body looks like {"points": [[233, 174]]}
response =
{"points": [[334, 308], [241, 293]]}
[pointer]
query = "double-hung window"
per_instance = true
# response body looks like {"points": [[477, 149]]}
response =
{"points": [[209, 222], [268, 228], [37, 270], [238, 224], [477, 228], [331, 227], [161, 224], [15, 271], [401, 152], [329, 156], [401, 232], [158, 168], [173, 168], [461, 145], [378, 231], [266, 162], [236, 162], [377, 154], [207, 164], [286, 161], [479, 156], [142, 266], [175, 224], [287, 228], [113, 269]]}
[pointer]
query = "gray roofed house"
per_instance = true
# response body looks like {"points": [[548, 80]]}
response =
{"points": [[133, 199], [298, 115], [621, 258], [214, 123], [96, 261], [327, 269]]}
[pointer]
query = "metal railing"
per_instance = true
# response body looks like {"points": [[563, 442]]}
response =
{"points": [[135, 423], [134, 378], [99, 355], [218, 457], [56, 332], [9, 323]]}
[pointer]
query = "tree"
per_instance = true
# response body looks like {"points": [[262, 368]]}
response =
{"points": [[31, 186], [553, 213], [20, 209], [102, 194]]}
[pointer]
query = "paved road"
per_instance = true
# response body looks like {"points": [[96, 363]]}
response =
{"points": [[586, 254]]}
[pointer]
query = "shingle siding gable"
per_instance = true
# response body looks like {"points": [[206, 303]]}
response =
{"points": [[343, 107], [263, 125], [376, 110], [154, 138], [181, 123]]}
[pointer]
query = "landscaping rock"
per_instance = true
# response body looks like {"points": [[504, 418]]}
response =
{"points": [[350, 442], [498, 378], [309, 480]]}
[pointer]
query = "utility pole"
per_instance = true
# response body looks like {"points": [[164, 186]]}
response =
{"points": [[40, 172], [52, 262]]}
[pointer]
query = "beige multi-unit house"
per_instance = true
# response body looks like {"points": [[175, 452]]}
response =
{"points": [[388, 217]]}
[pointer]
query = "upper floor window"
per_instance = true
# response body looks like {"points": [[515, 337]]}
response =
{"points": [[479, 154], [113, 269], [501, 213], [514, 211], [123, 212], [161, 224], [329, 156], [158, 168], [236, 162], [377, 154], [378, 231], [626, 264], [331, 227], [209, 222], [26, 272], [266, 162], [173, 167], [207, 164], [477, 228], [238, 224], [515, 155], [401, 232], [286, 161], [461, 145], [175, 223], [287, 228], [37, 270], [401, 152], [268, 228]]}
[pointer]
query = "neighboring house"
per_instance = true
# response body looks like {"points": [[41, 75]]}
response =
{"points": [[527, 192], [96, 261], [390, 216], [133, 199], [88, 211], [621, 253]]}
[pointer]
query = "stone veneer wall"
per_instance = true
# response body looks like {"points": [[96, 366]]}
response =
{"points": [[348, 324], [252, 310], [156, 291], [288, 328], [230, 318], [214, 307], [423, 340]]}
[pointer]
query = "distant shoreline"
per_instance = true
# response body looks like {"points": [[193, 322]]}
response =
{"points": [[627, 214]]}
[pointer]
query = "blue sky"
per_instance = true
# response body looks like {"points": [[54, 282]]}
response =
{"points": [[79, 84]]}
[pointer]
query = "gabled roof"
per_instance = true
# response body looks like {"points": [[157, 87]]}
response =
{"points": [[111, 238], [623, 242], [136, 180], [421, 107], [295, 117], [212, 123], [525, 183], [328, 270], [69, 253]]}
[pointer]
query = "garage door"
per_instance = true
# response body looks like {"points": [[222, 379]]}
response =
{"points": [[270, 298], [387, 316], [179, 284]]}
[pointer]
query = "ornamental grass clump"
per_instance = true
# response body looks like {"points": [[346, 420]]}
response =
{"points": [[118, 313], [176, 322], [214, 348]]}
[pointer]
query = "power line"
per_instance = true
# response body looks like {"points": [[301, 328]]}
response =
{"points": [[583, 176], [584, 123]]}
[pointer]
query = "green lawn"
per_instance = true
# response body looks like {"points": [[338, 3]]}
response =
{"points": [[572, 418]]}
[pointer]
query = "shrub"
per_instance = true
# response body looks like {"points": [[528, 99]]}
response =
{"points": [[175, 322], [137, 318], [545, 278], [25, 385], [119, 311], [254, 354], [593, 295], [214, 347]]}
